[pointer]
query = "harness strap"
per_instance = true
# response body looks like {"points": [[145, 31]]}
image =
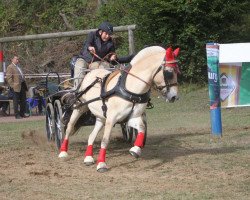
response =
{"points": [[105, 94], [127, 71], [87, 102], [78, 95], [121, 91]]}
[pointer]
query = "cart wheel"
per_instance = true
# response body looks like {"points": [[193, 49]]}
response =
{"points": [[130, 133], [127, 132], [50, 122], [59, 126]]}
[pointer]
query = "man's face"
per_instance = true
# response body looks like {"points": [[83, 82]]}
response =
{"points": [[15, 60], [104, 35]]}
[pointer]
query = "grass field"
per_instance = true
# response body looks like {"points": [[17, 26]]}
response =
{"points": [[181, 159]]}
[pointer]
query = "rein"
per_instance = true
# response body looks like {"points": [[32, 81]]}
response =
{"points": [[136, 77], [102, 59], [168, 85], [121, 68]]}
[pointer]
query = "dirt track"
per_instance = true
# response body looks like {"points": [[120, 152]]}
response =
{"points": [[177, 163]]}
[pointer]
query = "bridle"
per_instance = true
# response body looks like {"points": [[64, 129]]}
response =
{"points": [[167, 76]]}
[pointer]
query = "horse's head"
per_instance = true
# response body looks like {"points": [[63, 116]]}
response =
{"points": [[165, 78]]}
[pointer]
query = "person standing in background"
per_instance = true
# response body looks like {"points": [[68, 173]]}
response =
{"points": [[16, 80], [4, 103]]}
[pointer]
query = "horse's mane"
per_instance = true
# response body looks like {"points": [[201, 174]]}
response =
{"points": [[146, 52]]}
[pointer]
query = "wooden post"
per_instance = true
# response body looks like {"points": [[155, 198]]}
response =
{"points": [[1, 65], [131, 41]]}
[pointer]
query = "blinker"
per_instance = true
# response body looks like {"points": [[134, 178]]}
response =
{"points": [[168, 75]]}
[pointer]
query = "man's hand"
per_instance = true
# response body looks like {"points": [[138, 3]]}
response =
{"points": [[113, 57], [91, 49]]}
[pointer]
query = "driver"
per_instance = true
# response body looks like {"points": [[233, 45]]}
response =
{"points": [[100, 43]]}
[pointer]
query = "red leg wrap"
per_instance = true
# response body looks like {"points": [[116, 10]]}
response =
{"points": [[139, 139], [89, 151], [102, 155], [64, 146]]}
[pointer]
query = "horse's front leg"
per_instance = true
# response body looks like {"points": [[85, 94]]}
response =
{"points": [[138, 145], [70, 129], [88, 157], [101, 164]]}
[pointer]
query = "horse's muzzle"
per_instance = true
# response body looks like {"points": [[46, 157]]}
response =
{"points": [[172, 99]]}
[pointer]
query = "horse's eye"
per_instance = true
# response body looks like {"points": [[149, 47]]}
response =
{"points": [[169, 75]]}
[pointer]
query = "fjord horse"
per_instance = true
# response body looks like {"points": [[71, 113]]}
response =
{"points": [[128, 101]]}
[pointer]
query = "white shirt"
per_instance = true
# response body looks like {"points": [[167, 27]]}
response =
{"points": [[20, 71]]}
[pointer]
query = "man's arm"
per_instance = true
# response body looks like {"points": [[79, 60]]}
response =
{"points": [[112, 53], [89, 40], [9, 77]]}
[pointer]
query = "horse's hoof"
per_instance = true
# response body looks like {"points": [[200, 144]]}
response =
{"points": [[135, 151], [89, 160], [63, 154], [102, 167]]}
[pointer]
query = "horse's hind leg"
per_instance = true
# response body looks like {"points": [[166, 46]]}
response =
{"points": [[70, 129], [138, 145], [88, 157]]}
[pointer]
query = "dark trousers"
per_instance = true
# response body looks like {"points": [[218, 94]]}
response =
{"points": [[4, 103], [40, 104], [19, 100]]}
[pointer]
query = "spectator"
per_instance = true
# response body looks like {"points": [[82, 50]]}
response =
{"points": [[36, 99], [4, 103], [16, 80]]}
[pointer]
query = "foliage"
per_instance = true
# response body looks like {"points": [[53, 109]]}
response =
{"points": [[35, 16], [188, 24]]}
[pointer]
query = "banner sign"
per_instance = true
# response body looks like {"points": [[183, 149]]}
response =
{"points": [[214, 88], [234, 76], [213, 75]]}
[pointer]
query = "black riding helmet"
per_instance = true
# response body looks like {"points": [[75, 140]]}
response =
{"points": [[107, 27]]}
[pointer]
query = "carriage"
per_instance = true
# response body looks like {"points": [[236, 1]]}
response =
{"points": [[110, 98], [55, 108]]}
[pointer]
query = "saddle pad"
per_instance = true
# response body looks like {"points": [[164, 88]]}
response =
{"points": [[112, 75]]}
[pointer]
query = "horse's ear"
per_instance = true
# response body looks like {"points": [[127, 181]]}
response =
{"points": [[176, 52], [169, 54]]}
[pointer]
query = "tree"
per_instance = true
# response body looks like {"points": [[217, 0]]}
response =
{"points": [[189, 24]]}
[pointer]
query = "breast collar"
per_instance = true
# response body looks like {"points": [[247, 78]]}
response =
{"points": [[121, 91]]}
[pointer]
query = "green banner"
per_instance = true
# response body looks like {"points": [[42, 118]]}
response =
{"points": [[244, 96], [213, 75], [235, 84]]}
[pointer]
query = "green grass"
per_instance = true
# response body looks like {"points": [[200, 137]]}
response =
{"points": [[11, 133]]}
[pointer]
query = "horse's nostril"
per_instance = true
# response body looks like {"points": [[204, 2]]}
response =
{"points": [[173, 99]]}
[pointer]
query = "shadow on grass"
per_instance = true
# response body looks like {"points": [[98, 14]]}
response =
{"points": [[164, 148]]}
